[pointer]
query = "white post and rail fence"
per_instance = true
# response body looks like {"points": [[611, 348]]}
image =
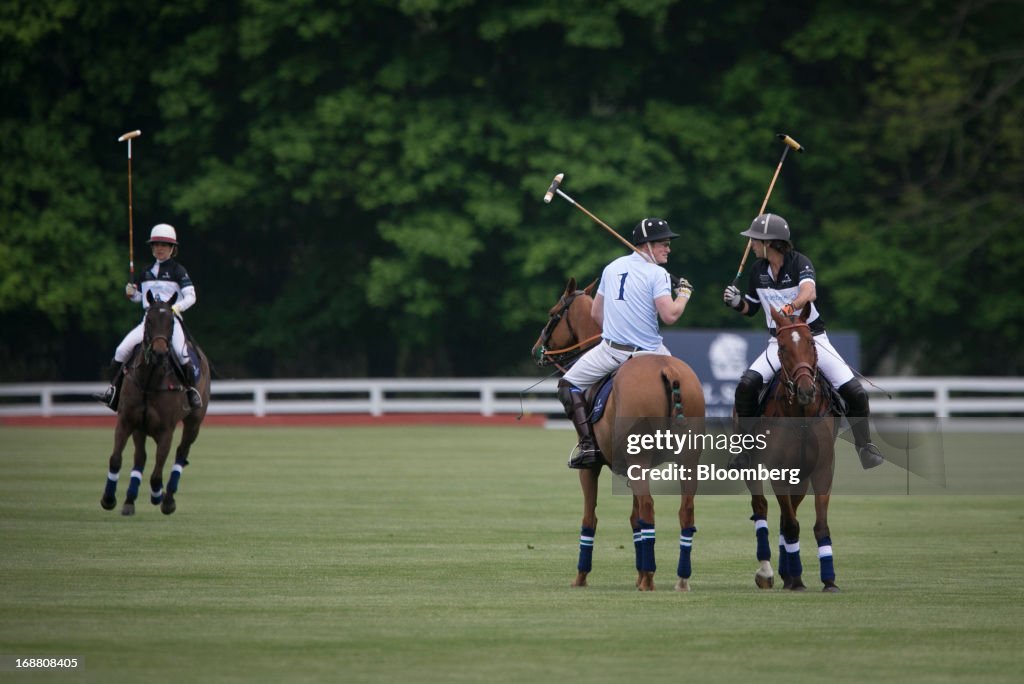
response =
{"points": [[938, 397]]}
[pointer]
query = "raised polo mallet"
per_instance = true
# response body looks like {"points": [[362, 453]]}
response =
{"points": [[790, 143], [553, 190], [128, 137]]}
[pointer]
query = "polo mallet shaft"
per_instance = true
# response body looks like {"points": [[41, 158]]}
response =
{"points": [[131, 237], [789, 143], [553, 190]]}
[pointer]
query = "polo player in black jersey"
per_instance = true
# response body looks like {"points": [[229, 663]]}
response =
{"points": [[783, 279]]}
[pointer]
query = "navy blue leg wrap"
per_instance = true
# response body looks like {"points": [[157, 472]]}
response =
{"points": [[133, 486], [586, 549], [764, 547], [110, 489], [828, 571], [685, 547], [646, 546], [783, 559], [796, 568]]}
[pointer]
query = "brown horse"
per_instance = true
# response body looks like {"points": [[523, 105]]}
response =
{"points": [[152, 403], [799, 432], [647, 387]]}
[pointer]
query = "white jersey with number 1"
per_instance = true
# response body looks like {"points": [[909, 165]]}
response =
{"points": [[629, 285]]}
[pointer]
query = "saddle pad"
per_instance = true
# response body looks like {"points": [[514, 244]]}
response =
{"points": [[599, 398]]}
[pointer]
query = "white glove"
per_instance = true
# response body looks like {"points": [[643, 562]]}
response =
{"points": [[129, 290], [732, 297], [683, 288]]}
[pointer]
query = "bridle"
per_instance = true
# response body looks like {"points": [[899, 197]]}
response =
{"points": [[560, 358], [149, 340], [791, 376]]}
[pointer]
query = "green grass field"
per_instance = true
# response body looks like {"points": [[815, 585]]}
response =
{"points": [[445, 555]]}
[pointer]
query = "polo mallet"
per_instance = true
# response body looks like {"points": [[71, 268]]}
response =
{"points": [[127, 137], [553, 190], [789, 143]]}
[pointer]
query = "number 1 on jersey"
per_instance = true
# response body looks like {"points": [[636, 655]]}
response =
{"points": [[622, 285]]}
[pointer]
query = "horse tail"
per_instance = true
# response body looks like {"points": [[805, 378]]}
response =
{"points": [[670, 377]]}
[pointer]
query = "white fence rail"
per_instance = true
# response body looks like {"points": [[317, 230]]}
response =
{"points": [[941, 397]]}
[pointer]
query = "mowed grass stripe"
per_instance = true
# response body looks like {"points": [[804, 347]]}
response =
{"points": [[444, 554]]}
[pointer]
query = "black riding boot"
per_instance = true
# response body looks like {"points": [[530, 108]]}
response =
{"points": [[748, 390], [195, 400], [113, 392], [857, 412], [586, 454]]}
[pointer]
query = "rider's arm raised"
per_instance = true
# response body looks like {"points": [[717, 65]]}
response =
{"points": [[669, 310]]}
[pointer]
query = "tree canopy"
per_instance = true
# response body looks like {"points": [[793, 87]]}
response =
{"points": [[357, 184]]}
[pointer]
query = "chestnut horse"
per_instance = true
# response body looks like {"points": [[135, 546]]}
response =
{"points": [[152, 403], [646, 387], [799, 425]]}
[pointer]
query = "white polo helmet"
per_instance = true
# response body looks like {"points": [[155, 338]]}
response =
{"points": [[163, 232]]}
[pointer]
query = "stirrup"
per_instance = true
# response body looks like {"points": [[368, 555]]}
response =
{"points": [[583, 458], [195, 400], [107, 397], [870, 456]]}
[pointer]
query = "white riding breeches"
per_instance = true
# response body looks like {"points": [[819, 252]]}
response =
{"points": [[600, 361], [133, 338], [830, 363]]}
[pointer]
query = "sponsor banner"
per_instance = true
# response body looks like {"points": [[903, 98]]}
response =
{"points": [[719, 357]]}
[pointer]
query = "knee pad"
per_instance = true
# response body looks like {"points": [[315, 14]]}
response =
{"points": [[855, 397], [565, 389], [747, 391]]}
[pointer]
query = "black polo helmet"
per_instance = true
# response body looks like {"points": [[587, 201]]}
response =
{"points": [[652, 230], [768, 227]]}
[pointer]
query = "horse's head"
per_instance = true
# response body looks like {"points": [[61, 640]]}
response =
{"points": [[570, 327], [798, 356], [159, 325]]}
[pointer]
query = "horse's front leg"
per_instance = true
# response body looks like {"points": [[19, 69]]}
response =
{"points": [[156, 480], [790, 566], [687, 528], [138, 466], [824, 538], [764, 577], [109, 498], [588, 527]]}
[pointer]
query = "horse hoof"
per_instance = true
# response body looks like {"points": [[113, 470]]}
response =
{"points": [[764, 582], [108, 504], [129, 509], [580, 581], [798, 586], [682, 584], [168, 507], [831, 589]]}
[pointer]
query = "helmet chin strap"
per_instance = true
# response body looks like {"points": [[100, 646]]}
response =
{"points": [[650, 253]]}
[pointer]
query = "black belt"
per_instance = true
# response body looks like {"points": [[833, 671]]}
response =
{"points": [[623, 347]]}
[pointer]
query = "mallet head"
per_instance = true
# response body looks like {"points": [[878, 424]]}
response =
{"points": [[789, 141], [553, 187], [129, 136]]}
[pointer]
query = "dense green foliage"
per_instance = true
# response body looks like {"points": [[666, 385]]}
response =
{"points": [[357, 184]]}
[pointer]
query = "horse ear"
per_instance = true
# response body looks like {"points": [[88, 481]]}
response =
{"points": [[174, 298], [589, 289], [805, 313], [570, 287], [777, 316], [149, 296]]}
